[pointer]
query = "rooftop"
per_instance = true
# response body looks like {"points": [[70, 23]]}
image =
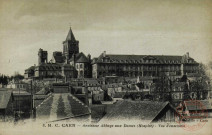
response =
{"points": [[4, 98], [135, 110], [119, 58], [60, 106], [198, 105]]}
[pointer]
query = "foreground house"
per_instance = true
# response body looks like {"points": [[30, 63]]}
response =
{"points": [[140, 111], [22, 103], [197, 108], [6, 105]]}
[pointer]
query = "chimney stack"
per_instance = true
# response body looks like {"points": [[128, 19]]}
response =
{"points": [[104, 54], [89, 57], [187, 54]]}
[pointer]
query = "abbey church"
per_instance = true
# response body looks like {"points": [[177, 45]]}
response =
{"points": [[69, 64]]}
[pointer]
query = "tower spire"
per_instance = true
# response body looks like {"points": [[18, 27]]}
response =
{"points": [[70, 35]]}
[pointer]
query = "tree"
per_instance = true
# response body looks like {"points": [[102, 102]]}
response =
{"points": [[202, 71], [19, 77], [210, 65], [1, 79]]}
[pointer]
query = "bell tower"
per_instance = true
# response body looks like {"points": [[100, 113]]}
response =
{"points": [[70, 45]]}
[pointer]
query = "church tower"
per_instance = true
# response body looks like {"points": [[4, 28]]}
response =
{"points": [[70, 45]]}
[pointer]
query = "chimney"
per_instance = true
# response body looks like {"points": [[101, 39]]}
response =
{"points": [[89, 57], [104, 53], [187, 54]]}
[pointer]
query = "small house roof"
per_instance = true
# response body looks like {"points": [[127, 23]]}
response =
{"points": [[200, 105], [135, 110], [4, 98], [61, 105]]}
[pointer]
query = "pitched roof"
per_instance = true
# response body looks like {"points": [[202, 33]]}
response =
{"points": [[60, 106], [43, 91], [70, 35], [119, 94], [58, 57], [38, 99], [17, 92], [200, 105], [179, 84], [49, 66], [30, 69], [92, 82], [193, 75], [67, 67], [135, 110], [116, 58], [4, 98], [145, 78], [80, 58]]}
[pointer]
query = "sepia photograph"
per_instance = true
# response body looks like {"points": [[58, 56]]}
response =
{"points": [[105, 67]]}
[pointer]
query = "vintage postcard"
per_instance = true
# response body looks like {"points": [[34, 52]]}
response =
{"points": [[105, 67]]}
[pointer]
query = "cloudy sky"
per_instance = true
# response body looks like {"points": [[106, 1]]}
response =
{"points": [[162, 27]]}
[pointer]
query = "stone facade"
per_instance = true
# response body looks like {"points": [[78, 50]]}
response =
{"points": [[142, 65], [68, 64], [81, 66]]}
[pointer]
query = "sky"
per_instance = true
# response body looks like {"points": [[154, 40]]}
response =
{"points": [[142, 27]]}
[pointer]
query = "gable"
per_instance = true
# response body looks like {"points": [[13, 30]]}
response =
{"points": [[81, 58]]}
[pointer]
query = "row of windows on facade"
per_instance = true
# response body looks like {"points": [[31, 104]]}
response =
{"points": [[130, 67], [94, 88], [145, 61], [192, 95], [78, 66], [50, 73], [20, 86], [131, 73]]}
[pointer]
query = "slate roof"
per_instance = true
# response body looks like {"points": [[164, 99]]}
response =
{"points": [[17, 92], [92, 82], [200, 105], [4, 98], [38, 99], [119, 94], [70, 36], [135, 110], [43, 91], [49, 66], [179, 84], [61, 105], [80, 58], [193, 75], [32, 68], [58, 57], [67, 67], [161, 59], [146, 78]]}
